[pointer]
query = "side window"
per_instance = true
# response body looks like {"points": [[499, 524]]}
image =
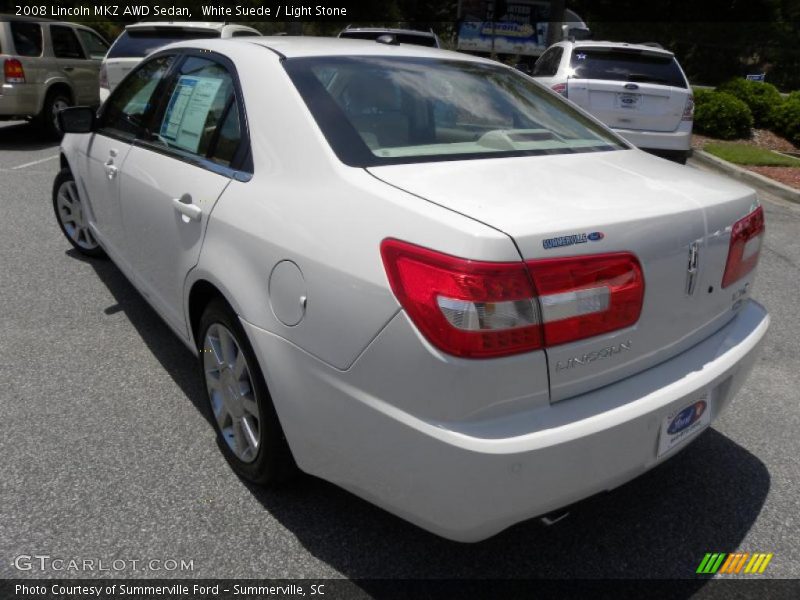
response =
{"points": [[95, 46], [125, 112], [201, 117], [27, 38], [65, 42], [245, 33]]}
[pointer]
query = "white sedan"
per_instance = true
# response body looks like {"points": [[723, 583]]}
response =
{"points": [[417, 274]]}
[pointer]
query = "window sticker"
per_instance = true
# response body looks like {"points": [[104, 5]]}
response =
{"points": [[188, 110]]}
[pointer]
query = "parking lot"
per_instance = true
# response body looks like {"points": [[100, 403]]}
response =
{"points": [[107, 451]]}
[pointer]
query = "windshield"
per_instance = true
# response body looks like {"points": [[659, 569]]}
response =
{"points": [[423, 39], [136, 43], [626, 65], [380, 110]]}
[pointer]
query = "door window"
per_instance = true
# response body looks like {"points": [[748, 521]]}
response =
{"points": [[201, 117], [95, 46], [547, 65], [27, 38], [65, 42], [126, 111]]}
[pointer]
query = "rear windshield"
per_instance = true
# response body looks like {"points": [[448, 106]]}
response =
{"points": [[27, 38], [626, 65], [382, 110], [138, 43], [403, 38]]}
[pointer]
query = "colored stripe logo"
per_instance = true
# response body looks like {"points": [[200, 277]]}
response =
{"points": [[734, 563]]}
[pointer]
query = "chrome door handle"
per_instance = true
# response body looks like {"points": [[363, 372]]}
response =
{"points": [[184, 206], [111, 170]]}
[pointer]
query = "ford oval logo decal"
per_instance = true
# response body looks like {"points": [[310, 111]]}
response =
{"points": [[688, 416], [596, 236], [631, 86]]}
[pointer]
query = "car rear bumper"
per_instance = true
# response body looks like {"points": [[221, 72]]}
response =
{"points": [[471, 479], [19, 100], [679, 140]]}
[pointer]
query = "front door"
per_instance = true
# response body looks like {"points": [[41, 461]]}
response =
{"points": [[173, 178]]}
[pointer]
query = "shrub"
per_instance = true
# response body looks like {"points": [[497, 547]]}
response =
{"points": [[723, 116], [701, 96], [762, 98], [787, 119]]}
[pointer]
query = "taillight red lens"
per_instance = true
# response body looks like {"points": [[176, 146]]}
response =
{"points": [[560, 88], [104, 76], [487, 309], [746, 237], [13, 71], [464, 307], [584, 296]]}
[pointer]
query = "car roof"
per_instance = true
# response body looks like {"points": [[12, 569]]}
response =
{"points": [[306, 46], [209, 25], [390, 30], [642, 47]]}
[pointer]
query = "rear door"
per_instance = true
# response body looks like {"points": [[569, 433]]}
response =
{"points": [[75, 64], [173, 177], [629, 88]]}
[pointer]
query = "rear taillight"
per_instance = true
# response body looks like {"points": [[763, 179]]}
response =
{"points": [[13, 71], [560, 88], [746, 237], [104, 76], [487, 309], [688, 109], [584, 296]]}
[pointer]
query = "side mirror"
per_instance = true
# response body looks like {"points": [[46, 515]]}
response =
{"points": [[77, 119]]}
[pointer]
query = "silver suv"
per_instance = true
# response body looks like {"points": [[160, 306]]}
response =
{"points": [[47, 66]]}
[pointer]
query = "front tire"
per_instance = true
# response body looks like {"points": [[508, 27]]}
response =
{"points": [[242, 411], [72, 216]]}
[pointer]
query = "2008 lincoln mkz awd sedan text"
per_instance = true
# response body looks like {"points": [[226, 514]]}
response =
{"points": [[417, 274]]}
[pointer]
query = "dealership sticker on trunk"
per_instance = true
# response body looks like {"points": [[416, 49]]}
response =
{"points": [[683, 424]]}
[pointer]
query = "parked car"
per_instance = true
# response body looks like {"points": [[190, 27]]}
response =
{"points": [[401, 36], [47, 66], [417, 274], [140, 39], [639, 90]]}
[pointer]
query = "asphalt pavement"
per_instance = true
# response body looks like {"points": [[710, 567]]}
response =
{"points": [[107, 453]]}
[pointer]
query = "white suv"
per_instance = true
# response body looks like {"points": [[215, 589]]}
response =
{"points": [[639, 90], [140, 39]]}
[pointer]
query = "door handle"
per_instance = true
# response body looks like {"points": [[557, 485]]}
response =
{"points": [[111, 170], [68, 69], [184, 206]]}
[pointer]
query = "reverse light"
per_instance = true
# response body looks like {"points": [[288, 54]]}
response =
{"points": [[560, 88], [480, 309], [13, 71], [745, 247], [688, 109]]}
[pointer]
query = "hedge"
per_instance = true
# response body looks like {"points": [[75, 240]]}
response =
{"points": [[762, 98], [786, 119], [723, 116]]}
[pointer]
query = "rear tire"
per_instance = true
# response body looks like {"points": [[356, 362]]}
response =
{"points": [[55, 101], [72, 216], [249, 432]]}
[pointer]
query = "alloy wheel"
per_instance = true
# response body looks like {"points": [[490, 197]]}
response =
{"points": [[73, 217], [231, 391]]}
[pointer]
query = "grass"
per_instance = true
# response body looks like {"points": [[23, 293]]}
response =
{"points": [[747, 154]]}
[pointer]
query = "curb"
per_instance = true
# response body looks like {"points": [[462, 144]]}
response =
{"points": [[759, 181]]}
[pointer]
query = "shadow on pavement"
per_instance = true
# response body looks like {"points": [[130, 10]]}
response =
{"points": [[660, 525], [24, 136]]}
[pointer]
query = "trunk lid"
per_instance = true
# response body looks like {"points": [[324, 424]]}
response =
{"points": [[658, 210]]}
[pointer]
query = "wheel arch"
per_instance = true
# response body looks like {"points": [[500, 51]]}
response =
{"points": [[201, 291]]}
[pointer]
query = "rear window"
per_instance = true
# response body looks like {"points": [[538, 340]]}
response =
{"points": [[403, 38], [139, 43], [626, 65], [27, 38], [387, 110]]}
